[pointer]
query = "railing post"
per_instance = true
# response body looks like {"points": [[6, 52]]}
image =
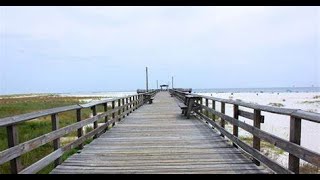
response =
{"points": [[214, 108], [13, 140], [295, 137], [105, 108], [235, 116], [207, 105], [80, 130], [222, 122], [130, 104], [113, 114], [256, 140], [119, 111], [56, 142], [95, 124], [123, 109], [138, 98], [201, 109], [127, 106], [133, 104]]}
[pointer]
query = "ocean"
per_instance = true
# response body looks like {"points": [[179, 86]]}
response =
{"points": [[257, 90]]}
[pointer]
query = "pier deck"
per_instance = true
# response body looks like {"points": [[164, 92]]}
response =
{"points": [[157, 138]]}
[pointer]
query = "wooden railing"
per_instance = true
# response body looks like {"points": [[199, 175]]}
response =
{"points": [[125, 105], [296, 152]]}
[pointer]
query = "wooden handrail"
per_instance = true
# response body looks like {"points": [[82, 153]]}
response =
{"points": [[310, 116], [296, 152], [28, 116], [17, 149]]}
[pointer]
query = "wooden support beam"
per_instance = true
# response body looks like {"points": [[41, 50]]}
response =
{"points": [[56, 142], [124, 109], [95, 124], [256, 140], [80, 130], [223, 109], [295, 137], [236, 116], [201, 109], [113, 114], [119, 112], [133, 105], [207, 104], [13, 140], [105, 108], [127, 101], [213, 107]]}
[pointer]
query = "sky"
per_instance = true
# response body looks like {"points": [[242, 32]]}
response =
{"points": [[85, 49]]}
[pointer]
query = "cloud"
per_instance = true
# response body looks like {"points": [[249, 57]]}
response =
{"points": [[168, 39], [144, 27]]}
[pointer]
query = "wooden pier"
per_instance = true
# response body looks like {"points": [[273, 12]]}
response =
{"points": [[140, 135], [156, 138]]}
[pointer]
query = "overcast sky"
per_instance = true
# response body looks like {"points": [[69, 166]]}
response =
{"points": [[72, 49]]}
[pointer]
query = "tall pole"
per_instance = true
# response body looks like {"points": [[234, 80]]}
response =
{"points": [[147, 79], [157, 85], [172, 82]]}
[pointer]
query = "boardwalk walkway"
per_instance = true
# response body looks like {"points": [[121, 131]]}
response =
{"points": [[156, 138]]}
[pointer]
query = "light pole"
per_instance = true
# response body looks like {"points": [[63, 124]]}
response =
{"points": [[172, 82], [147, 79]]}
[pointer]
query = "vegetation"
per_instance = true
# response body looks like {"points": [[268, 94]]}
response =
{"points": [[276, 104], [11, 105], [264, 145], [306, 168], [316, 97], [310, 102]]}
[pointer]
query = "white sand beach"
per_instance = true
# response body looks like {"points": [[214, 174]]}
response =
{"points": [[101, 94]]}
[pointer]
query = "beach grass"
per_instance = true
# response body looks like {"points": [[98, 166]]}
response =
{"points": [[316, 97], [276, 104], [12, 105]]}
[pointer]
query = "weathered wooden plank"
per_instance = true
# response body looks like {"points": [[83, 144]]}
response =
{"points": [[310, 116], [36, 167], [24, 117]]}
